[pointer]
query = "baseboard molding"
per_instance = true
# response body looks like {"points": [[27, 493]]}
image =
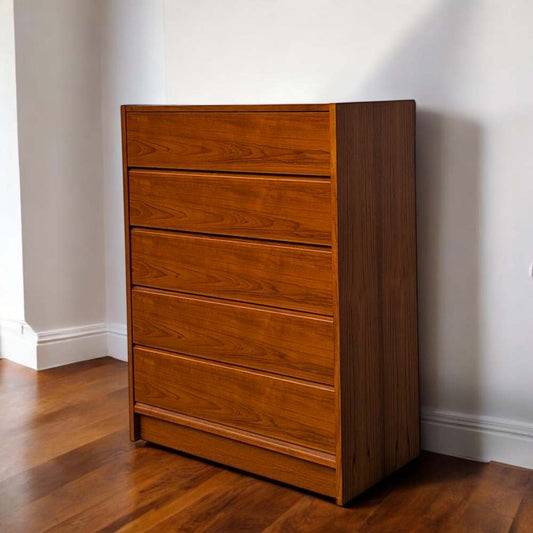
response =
{"points": [[63, 346], [71, 345], [117, 341], [18, 342], [476, 437]]}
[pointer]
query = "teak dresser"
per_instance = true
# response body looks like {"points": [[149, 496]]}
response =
{"points": [[271, 280]]}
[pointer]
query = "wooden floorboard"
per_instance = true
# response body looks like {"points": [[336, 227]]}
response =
{"points": [[66, 464]]}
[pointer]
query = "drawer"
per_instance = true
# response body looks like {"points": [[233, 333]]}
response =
{"points": [[282, 408], [277, 208], [280, 275], [266, 142], [282, 342]]}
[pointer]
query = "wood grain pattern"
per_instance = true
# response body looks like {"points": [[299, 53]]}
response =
{"points": [[268, 443], [85, 475], [134, 430], [218, 512], [336, 308], [378, 359], [295, 411], [523, 519], [312, 515], [289, 343], [253, 459], [292, 277], [399, 288], [284, 208], [268, 142]]}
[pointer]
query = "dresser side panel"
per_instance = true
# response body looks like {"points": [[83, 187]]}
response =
{"points": [[378, 355]]}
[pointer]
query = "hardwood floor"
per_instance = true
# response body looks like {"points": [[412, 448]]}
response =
{"points": [[66, 464]]}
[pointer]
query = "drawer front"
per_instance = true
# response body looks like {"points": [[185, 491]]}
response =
{"points": [[288, 343], [293, 411], [284, 208], [292, 277], [266, 142]]}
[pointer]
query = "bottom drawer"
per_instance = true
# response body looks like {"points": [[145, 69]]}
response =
{"points": [[278, 407], [305, 474]]}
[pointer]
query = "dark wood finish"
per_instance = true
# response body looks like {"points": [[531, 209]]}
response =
{"points": [[280, 275], [337, 181], [84, 474], [281, 208], [268, 142], [134, 430], [274, 406], [378, 363], [282, 342], [257, 460]]}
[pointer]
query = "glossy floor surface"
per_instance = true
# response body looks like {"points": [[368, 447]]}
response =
{"points": [[66, 464]]}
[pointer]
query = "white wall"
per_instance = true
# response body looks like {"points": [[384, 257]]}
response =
{"points": [[77, 62], [469, 65], [133, 70], [58, 87], [60, 154], [11, 280]]}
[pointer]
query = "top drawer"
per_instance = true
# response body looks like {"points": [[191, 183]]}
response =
{"points": [[267, 142]]}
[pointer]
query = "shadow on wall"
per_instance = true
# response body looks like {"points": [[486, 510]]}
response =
{"points": [[426, 66], [448, 224]]}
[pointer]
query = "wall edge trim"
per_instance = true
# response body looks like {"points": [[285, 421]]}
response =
{"points": [[477, 437]]}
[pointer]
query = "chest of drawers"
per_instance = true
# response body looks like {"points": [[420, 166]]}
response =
{"points": [[271, 285]]}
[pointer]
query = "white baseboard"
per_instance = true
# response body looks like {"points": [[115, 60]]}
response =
{"points": [[71, 345], [18, 342], [117, 341], [480, 438], [48, 349]]}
